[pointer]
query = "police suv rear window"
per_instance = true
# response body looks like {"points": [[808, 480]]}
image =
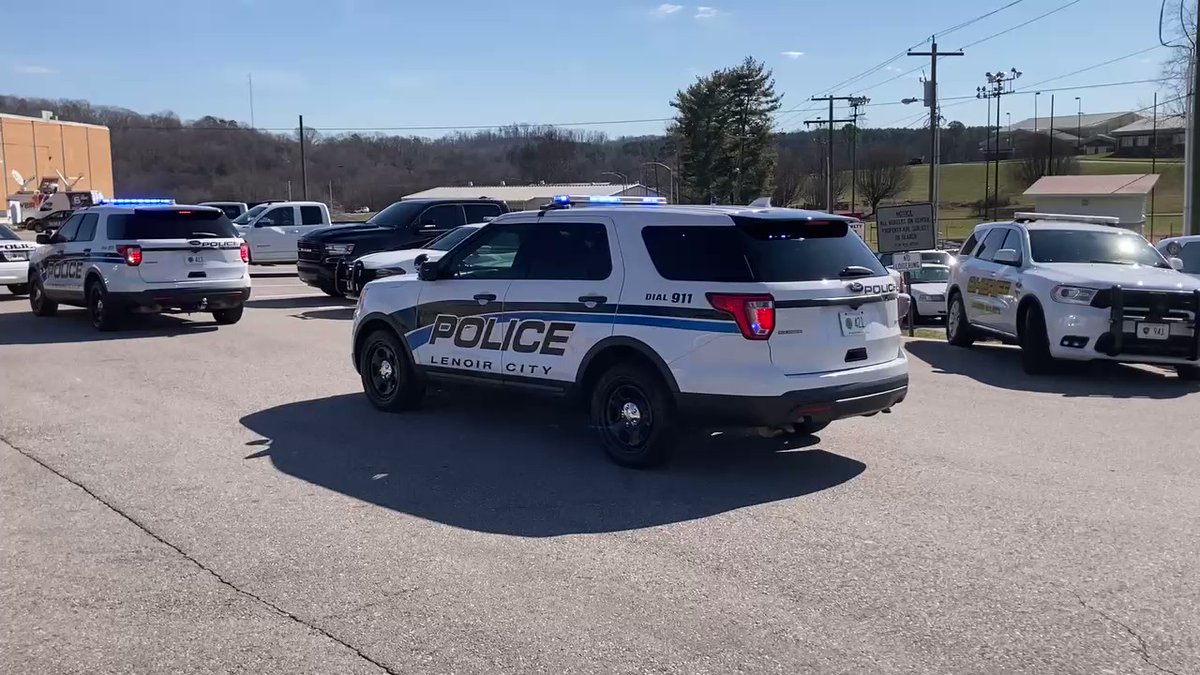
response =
{"points": [[758, 250], [169, 224]]}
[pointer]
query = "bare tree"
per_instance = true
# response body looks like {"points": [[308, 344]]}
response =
{"points": [[1177, 29], [882, 174], [1033, 153]]}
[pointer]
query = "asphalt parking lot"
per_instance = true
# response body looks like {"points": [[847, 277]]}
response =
{"points": [[182, 498]]}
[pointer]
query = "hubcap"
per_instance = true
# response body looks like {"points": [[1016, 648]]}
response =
{"points": [[954, 317], [628, 417], [385, 369], [382, 366]]}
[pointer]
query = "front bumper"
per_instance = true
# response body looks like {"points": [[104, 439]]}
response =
{"points": [[1118, 329], [823, 404], [179, 300], [319, 274]]}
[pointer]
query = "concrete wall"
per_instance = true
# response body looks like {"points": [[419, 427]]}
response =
{"points": [[36, 148], [1131, 209]]}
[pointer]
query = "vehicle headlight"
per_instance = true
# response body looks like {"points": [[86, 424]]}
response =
{"points": [[388, 272], [339, 249], [1073, 295]]}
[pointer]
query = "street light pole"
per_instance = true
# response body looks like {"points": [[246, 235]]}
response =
{"points": [[999, 84], [671, 177], [623, 177], [1078, 123]]}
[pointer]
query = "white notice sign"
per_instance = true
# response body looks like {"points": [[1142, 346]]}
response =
{"points": [[906, 262], [905, 228]]}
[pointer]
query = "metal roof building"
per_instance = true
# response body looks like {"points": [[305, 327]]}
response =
{"points": [[1120, 195], [522, 197]]}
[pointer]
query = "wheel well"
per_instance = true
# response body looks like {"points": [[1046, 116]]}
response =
{"points": [[91, 278], [611, 356], [370, 326], [1022, 310]]}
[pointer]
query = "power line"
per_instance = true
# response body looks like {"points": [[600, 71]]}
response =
{"points": [[1022, 25], [1093, 67]]}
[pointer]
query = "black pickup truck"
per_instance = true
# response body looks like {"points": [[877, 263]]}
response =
{"points": [[405, 224]]}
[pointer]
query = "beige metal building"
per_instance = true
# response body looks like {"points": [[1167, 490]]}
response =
{"points": [[39, 149]]}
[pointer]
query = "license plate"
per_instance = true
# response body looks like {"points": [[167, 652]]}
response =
{"points": [[195, 260], [1154, 331], [853, 323]]}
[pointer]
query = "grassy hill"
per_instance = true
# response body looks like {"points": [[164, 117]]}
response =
{"points": [[962, 184]]}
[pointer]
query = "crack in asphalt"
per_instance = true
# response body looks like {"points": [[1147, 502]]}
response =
{"points": [[1142, 649], [216, 575]]}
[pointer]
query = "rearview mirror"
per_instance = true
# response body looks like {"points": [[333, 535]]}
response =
{"points": [[45, 239], [1176, 263], [427, 271], [1007, 256]]}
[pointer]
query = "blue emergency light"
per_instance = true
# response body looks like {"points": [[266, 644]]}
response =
{"points": [[567, 200], [138, 202]]}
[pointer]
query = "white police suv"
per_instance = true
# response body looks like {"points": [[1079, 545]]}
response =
{"points": [[141, 256], [1077, 288], [734, 316], [14, 261]]}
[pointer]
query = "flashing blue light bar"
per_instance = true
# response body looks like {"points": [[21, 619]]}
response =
{"points": [[138, 202], [567, 200]]}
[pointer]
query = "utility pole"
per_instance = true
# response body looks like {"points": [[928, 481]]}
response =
{"points": [[931, 102], [1154, 162], [829, 203], [1192, 194], [856, 102], [998, 84], [303, 166], [250, 81], [1050, 161]]}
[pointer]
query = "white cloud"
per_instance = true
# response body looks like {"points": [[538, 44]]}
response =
{"points": [[703, 12], [34, 70], [667, 9], [792, 55], [893, 69]]}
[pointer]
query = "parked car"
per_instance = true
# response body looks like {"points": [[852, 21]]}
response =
{"points": [[927, 286], [273, 230], [406, 224], [352, 276], [230, 209], [1186, 250]]}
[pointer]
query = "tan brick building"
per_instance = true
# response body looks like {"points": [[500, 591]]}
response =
{"points": [[37, 148]]}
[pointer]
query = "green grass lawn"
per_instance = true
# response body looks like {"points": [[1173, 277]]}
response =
{"points": [[962, 184]]}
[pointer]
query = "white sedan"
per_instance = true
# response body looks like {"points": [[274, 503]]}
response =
{"points": [[927, 286], [352, 277]]}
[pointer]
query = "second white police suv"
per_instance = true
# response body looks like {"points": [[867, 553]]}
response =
{"points": [[653, 314], [143, 256], [1075, 288]]}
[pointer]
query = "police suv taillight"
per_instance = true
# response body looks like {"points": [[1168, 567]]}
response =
{"points": [[245, 252], [754, 314], [132, 253]]}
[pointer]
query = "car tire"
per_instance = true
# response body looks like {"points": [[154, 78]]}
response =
{"points": [[634, 415], [916, 314], [1035, 345], [18, 289], [388, 377], [958, 329], [39, 304], [331, 291], [103, 315], [1187, 372], [228, 316], [39, 227]]}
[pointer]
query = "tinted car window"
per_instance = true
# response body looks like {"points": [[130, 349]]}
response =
{"points": [[249, 215], [398, 214], [170, 225], [282, 216], [69, 228], [758, 250], [6, 233], [489, 256], [87, 227], [991, 243], [1015, 241], [442, 217], [968, 245], [311, 215], [1090, 246], [1190, 254], [230, 210], [564, 252], [450, 239], [476, 213]]}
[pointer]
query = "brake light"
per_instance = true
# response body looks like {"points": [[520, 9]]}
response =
{"points": [[754, 314], [245, 250], [131, 253]]}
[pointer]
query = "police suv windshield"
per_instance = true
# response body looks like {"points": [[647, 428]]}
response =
{"points": [[6, 233], [250, 215], [1090, 246]]}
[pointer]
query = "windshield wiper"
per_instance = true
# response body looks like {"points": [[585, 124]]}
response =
{"points": [[1113, 262], [856, 271]]}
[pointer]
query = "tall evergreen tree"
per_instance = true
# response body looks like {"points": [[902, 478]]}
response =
{"points": [[723, 134]]}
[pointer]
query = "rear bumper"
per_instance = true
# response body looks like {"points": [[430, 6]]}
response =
{"points": [[822, 404], [16, 272], [185, 300]]}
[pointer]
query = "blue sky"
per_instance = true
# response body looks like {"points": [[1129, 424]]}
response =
{"points": [[402, 63]]}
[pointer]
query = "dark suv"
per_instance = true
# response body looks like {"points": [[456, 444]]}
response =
{"points": [[405, 224]]}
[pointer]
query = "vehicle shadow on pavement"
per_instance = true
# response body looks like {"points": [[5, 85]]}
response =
{"points": [[299, 302], [72, 325], [526, 467], [337, 314], [1000, 366]]}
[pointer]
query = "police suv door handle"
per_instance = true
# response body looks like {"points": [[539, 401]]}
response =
{"points": [[593, 300], [485, 298]]}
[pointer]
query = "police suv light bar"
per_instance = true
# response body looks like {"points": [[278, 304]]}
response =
{"points": [[567, 200], [138, 202], [1027, 216]]}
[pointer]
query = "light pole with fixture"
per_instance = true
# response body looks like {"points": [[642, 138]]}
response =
{"points": [[670, 177], [1078, 123], [999, 84], [623, 177]]}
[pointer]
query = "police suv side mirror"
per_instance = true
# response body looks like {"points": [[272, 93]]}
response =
{"points": [[1176, 263], [1007, 256], [427, 271]]}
